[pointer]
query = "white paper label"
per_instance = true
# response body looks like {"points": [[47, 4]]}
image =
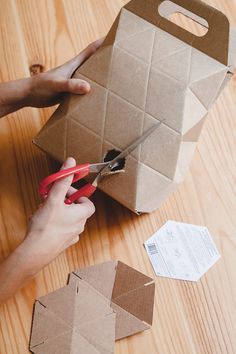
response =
{"points": [[181, 251]]}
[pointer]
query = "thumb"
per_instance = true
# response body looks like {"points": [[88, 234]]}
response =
{"points": [[75, 86], [60, 188]]}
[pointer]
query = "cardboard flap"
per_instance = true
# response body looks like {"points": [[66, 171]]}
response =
{"points": [[101, 277], [59, 345], [128, 279], [89, 306], [101, 333], [214, 43], [83, 320], [142, 306], [46, 326], [53, 302], [70, 343], [78, 317], [126, 323]]}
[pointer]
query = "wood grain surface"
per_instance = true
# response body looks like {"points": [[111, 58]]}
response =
{"points": [[189, 318]]}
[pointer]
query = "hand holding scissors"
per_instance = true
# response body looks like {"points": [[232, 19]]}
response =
{"points": [[81, 171]]}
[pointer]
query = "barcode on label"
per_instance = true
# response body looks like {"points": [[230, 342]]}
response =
{"points": [[152, 249]]}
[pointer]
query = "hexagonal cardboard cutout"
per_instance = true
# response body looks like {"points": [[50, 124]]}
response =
{"points": [[101, 304]]}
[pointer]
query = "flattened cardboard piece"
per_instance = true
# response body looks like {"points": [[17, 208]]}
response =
{"points": [[46, 325], [69, 342], [130, 292], [148, 69], [64, 317], [126, 323], [128, 279], [142, 306], [59, 344], [97, 334], [95, 276]]}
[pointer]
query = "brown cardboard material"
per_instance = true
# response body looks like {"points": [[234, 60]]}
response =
{"points": [[147, 70], [130, 292], [73, 319], [101, 304]]}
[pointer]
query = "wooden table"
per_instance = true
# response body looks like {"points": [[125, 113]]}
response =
{"points": [[191, 318]]}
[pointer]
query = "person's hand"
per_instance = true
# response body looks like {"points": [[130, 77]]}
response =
{"points": [[55, 225], [47, 89]]}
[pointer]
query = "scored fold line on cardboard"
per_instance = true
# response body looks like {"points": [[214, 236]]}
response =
{"points": [[147, 70], [101, 304]]}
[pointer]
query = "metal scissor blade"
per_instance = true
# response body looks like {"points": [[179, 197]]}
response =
{"points": [[98, 167], [130, 148]]}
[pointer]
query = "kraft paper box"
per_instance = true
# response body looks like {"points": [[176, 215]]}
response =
{"points": [[147, 70], [101, 304]]}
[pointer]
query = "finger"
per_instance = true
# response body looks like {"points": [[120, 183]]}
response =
{"points": [[71, 65], [85, 54], [85, 208], [71, 191], [75, 86], [60, 188]]}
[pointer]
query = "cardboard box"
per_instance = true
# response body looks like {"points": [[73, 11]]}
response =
{"points": [[147, 70], [101, 304]]}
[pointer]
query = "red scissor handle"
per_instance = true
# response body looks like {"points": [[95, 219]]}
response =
{"points": [[79, 172], [85, 191]]}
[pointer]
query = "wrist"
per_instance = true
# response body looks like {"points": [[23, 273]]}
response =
{"points": [[26, 264], [14, 95], [38, 249], [25, 85]]}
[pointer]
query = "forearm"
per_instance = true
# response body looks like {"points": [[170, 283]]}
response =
{"points": [[16, 270], [26, 261], [13, 95]]}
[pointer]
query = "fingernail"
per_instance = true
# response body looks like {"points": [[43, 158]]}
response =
{"points": [[98, 42], [83, 85], [70, 162]]}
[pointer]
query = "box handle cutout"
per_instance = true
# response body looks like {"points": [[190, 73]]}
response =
{"points": [[183, 18], [112, 154], [215, 43]]}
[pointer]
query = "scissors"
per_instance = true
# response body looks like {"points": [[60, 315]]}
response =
{"points": [[81, 171]]}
